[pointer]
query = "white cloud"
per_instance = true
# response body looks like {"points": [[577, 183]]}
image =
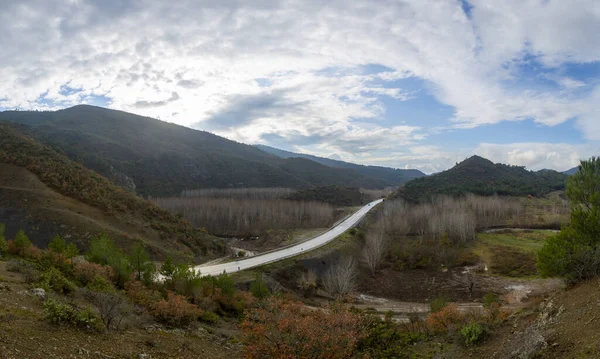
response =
{"points": [[196, 62], [537, 156]]}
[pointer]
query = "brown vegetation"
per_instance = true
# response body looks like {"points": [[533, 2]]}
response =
{"points": [[375, 249], [453, 218], [290, 330], [227, 216], [340, 279]]}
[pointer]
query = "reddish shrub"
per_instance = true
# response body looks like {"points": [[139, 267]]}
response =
{"points": [[33, 252], [285, 329], [175, 310], [443, 320], [86, 272], [142, 295], [12, 248]]}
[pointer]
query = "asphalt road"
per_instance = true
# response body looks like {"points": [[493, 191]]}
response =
{"points": [[276, 255]]}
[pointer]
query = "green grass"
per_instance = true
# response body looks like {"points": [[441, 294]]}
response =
{"points": [[511, 253], [528, 241]]}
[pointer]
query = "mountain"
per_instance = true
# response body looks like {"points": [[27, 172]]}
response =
{"points": [[157, 158], [46, 194], [483, 177], [572, 171], [391, 176]]}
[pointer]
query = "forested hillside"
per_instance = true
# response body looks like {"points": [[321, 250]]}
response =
{"points": [[157, 158], [480, 176], [334, 195], [391, 176], [86, 201]]}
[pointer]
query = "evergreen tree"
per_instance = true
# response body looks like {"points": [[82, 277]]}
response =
{"points": [[575, 252], [139, 259], [22, 243]]}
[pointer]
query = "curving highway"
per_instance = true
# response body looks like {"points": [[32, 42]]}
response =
{"points": [[279, 254]]}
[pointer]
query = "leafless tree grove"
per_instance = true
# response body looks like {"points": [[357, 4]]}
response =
{"points": [[229, 216], [454, 218], [340, 279]]}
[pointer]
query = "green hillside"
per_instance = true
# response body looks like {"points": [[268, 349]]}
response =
{"points": [[88, 202], [334, 195], [480, 176], [157, 158]]}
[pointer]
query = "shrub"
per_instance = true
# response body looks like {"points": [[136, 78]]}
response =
{"points": [[86, 272], [167, 269], [62, 313], [21, 243], [438, 304], [209, 317], [3, 243], [283, 329], [473, 333], [444, 320], [142, 295], [103, 251], [54, 280], [30, 273], [100, 284], [234, 304], [490, 299], [175, 310], [387, 339], [259, 287]]}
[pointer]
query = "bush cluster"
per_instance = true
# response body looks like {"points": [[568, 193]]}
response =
{"points": [[58, 312]]}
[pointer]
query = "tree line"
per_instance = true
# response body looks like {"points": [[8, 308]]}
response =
{"points": [[256, 193], [232, 216], [454, 218]]}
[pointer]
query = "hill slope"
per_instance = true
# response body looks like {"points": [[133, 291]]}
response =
{"points": [[480, 176], [158, 158], [391, 176], [47, 194], [571, 171]]}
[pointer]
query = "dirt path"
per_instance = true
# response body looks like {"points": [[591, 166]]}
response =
{"points": [[515, 295]]}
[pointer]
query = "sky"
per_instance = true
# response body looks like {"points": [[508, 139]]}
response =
{"points": [[398, 83]]}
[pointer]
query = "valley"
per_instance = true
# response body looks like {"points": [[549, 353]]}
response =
{"points": [[194, 267]]}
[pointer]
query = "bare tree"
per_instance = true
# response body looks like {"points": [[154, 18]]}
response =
{"points": [[112, 308], [340, 279], [375, 249], [233, 216]]}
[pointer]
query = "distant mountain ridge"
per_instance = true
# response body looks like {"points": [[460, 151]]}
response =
{"points": [[571, 171], [393, 177], [158, 158], [480, 176]]}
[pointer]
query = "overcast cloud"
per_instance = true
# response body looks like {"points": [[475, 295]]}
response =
{"points": [[325, 78]]}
